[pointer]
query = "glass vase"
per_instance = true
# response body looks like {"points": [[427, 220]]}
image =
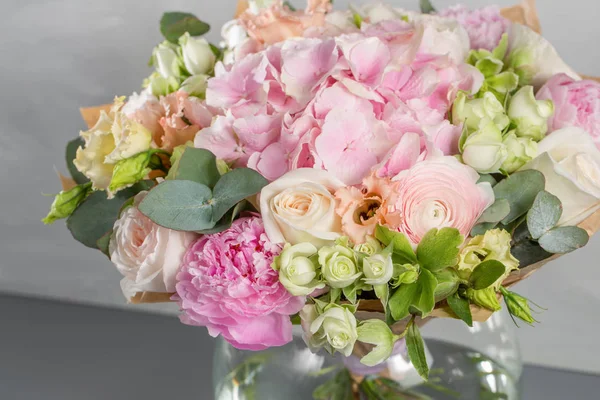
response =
{"points": [[481, 362]]}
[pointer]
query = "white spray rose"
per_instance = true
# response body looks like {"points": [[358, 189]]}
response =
{"points": [[146, 254], [298, 269], [198, 57], [338, 264], [300, 207], [370, 247], [484, 150], [530, 116], [335, 329], [520, 152], [473, 111], [533, 58], [378, 268], [166, 60], [570, 162]]}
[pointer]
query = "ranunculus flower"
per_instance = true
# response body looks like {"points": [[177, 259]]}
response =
{"points": [[298, 269], [339, 265], [570, 162], [226, 283], [493, 245], [576, 103], [115, 137], [533, 58], [300, 207], [148, 255], [438, 193], [485, 26], [335, 329], [530, 116]]}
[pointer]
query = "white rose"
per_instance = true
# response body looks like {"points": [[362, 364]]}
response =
{"points": [[146, 254], [529, 115], [570, 162], [443, 36], [300, 207], [484, 150], [335, 329], [198, 57], [533, 58], [378, 269], [114, 137], [166, 61]]}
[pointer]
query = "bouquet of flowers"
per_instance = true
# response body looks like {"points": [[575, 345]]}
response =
{"points": [[356, 171]]}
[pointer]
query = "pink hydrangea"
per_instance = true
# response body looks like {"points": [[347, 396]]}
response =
{"points": [[484, 25], [576, 103], [341, 104], [226, 283]]}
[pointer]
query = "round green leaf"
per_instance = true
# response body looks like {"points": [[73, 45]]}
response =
{"points": [[564, 239], [520, 190], [180, 205], [175, 24], [234, 187], [544, 214], [198, 165], [496, 212], [70, 153]]}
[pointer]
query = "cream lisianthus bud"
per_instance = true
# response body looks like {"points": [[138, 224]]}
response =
{"points": [[298, 269], [530, 116], [484, 150], [198, 57]]}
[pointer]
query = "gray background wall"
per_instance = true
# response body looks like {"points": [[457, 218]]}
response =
{"points": [[59, 55]]}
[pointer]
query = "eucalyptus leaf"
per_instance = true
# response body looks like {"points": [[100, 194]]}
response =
{"points": [[401, 246], [104, 242], [70, 154], [564, 239], [426, 7], [416, 351], [461, 308], [97, 214], [175, 24], [180, 205], [225, 222], [525, 249], [486, 273], [487, 178], [439, 249], [481, 229], [233, 187], [520, 190], [544, 214], [198, 165], [496, 212]]}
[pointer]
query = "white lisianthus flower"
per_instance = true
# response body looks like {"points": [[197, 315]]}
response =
{"points": [[529, 115], [300, 207], [198, 57], [146, 254], [339, 267], [114, 137], [335, 329], [484, 150], [570, 162], [533, 58], [298, 269]]}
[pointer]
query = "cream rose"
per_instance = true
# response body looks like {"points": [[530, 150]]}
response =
{"points": [[570, 162], [146, 254], [300, 207]]}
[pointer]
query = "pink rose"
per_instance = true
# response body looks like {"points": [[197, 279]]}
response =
{"points": [[437, 193], [576, 103], [485, 25], [226, 283]]}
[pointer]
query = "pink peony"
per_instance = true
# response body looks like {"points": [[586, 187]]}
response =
{"points": [[437, 193], [226, 283], [485, 25], [576, 103], [340, 104]]}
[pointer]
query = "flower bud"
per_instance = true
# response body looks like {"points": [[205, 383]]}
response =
{"points": [[195, 85], [485, 298], [66, 202], [298, 271], [529, 115], [167, 61], [335, 329], [484, 150], [198, 57], [338, 264]]}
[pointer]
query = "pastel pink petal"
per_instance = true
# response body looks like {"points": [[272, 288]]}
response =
{"points": [[403, 156], [262, 332], [257, 132], [271, 163], [368, 59], [352, 166], [219, 139]]}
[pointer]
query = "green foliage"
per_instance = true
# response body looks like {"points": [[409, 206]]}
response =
{"points": [[96, 216], [402, 249], [416, 350], [439, 249], [486, 273], [518, 306], [70, 153], [66, 202], [461, 307], [447, 283], [197, 165], [520, 190], [378, 333], [338, 388], [175, 24], [496, 212], [564, 239], [544, 214], [134, 169], [426, 7], [416, 298], [525, 248]]}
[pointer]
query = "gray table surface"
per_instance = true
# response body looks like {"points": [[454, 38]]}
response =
{"points": [[59, 351]]}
